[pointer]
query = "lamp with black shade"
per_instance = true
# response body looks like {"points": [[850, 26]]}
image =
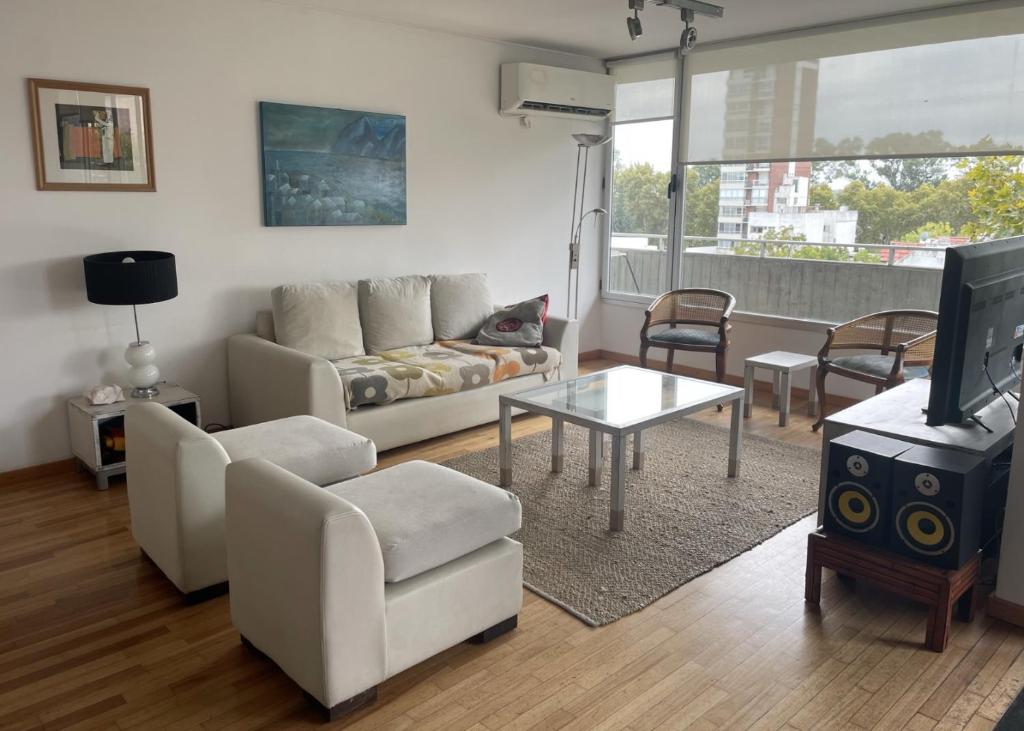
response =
{"points": [[133, 278]]}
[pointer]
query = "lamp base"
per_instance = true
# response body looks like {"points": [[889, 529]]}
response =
{"points": [[143, 374], [148, 392]]}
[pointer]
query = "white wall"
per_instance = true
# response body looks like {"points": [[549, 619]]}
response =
{"points": [[484, 193]]}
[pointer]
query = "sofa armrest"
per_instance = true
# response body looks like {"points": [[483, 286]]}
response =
{"points": [[267, 381], [175, 477], [564, 336], [312, 598]]}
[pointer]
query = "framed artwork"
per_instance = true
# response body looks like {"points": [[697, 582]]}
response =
{"points": [[332, 167], [91, 136]]}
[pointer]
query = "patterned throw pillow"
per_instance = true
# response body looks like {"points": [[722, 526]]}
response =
{"points": [[519, 325]]}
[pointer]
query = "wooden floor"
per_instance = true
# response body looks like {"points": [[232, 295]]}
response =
{"points": [[92, 636]]}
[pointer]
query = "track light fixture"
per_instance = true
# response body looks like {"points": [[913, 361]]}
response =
{"points": [[687, 10], [633, 24]]}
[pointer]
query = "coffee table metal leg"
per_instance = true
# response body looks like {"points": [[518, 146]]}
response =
{"points": [[784, 399], [557, 448], [596, 457], [748, 390], [504, 445], [618, 513], [638, 450], [775, 388], [736, 438]]}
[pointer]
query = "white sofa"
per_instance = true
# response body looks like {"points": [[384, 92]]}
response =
{"points": [[370, 577], [176, 474], [268, 380]]}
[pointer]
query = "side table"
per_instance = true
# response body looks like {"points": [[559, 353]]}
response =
{"points": [[97, 432], [940, 589], [782, 365]]}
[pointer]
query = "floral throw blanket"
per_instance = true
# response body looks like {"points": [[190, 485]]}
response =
{"points": [[447, 366]]}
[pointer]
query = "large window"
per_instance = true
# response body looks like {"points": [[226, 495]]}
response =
{"points": [[822, 175], [639, 255]]}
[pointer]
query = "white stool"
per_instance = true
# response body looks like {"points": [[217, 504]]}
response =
{"points": [[782, 365]]}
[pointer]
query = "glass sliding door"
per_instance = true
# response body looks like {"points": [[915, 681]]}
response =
{"points": [[639, 255]]}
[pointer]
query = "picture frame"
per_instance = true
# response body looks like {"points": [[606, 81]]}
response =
{"points": [[88, 136], [324, 166]]}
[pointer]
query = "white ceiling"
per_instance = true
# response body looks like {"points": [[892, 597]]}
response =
{"points": [[597, 28]]}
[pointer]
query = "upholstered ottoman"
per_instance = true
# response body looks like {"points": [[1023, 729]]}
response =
{"points": [[364, 579], [176, 482]]}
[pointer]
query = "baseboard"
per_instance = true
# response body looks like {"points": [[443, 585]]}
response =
{"points": [[1005, 610], [34, 472], [709, 375], [589, 355]]}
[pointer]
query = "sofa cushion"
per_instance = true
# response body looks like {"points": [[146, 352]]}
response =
{"points": [[437, 369], [459, 305], [304, 445], [426, 515], [521, 324], [319, 318], [395, 312]]}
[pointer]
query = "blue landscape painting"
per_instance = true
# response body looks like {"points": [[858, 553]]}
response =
{"points": [[331, 167]]}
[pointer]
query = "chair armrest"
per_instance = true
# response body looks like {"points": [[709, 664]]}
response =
{"points": [[823, 353], [312, 598], [564, 335], [917, 352], [267, 381], [175, 477]]}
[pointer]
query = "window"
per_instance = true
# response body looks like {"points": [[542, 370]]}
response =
{"points": [[886, 222], [639, 256], [826, 171]]}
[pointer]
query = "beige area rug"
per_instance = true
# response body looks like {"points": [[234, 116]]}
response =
{"points": [[683, 515]]}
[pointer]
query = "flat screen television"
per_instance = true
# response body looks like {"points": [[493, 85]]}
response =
{"points": [[980, 330]]}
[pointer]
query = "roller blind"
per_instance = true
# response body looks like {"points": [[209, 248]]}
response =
{"points": [[644, 88], [929, 84]]}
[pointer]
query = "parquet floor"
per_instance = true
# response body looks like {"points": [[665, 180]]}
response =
{"points": [[93, 637]]}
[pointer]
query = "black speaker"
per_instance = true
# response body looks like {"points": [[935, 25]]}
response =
{"points": [[938, 499], [857, 487]]}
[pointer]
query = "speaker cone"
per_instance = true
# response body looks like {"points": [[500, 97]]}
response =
{"points": [[924, 528], [853, 506]]}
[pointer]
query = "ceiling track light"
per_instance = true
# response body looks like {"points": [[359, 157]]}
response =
{"points": [[688, 9]]}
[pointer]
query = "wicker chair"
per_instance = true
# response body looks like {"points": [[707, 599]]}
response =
{"points": [[904, 339], [709, 307]]}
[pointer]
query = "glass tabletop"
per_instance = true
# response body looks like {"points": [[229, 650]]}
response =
{"points": [[625, 395]]}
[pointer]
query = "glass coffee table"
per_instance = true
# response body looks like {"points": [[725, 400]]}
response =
{"points": [[619, 402]]}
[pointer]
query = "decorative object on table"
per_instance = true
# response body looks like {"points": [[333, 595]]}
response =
{"points": [[584, 143], [517, 326], [100, 395], [133, 278], [702, 307], [782, 365], [941, 590], [97, 431], [332, 167], [905, 345], [91, 136], [679, 527]]}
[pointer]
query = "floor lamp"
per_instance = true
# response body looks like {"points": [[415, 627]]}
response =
{"points": [[584, 143]]}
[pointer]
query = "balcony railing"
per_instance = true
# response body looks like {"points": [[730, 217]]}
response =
{"points": [[798, 279]]}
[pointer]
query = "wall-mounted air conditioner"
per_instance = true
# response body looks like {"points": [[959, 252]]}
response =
{"points": [[548, 91]]}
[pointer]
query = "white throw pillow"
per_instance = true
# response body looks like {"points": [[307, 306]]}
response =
{"points": [[319, 318], [395, 312], [459, 303]]}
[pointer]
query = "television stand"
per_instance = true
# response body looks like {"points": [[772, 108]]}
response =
{"points": [[898, 413]]}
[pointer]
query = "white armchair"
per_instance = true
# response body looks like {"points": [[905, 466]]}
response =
{"points": [[176, 482], [330, 599]]}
